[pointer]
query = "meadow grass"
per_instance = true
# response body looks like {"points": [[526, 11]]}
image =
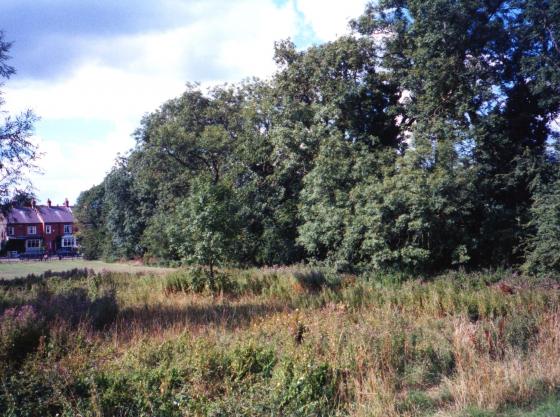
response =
{"points": [[280, 342], [16, 269]]}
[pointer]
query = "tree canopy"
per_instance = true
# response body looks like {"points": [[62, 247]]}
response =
{"points": [[423, 140], [17, 153]]}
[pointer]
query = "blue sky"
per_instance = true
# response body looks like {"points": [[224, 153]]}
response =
{"points": [[91, 68]]}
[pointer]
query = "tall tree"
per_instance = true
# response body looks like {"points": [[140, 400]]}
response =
{"points": [[337, 120], [17, 153], [470, 103], [90, 215]]}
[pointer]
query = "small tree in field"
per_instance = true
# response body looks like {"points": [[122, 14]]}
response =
{"points": [[206, 228]]}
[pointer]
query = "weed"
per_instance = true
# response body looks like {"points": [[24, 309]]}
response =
{"points": [[20, 333], [292, 341]]}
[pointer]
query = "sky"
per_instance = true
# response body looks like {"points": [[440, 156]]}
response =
{"points": [[90, 69]]}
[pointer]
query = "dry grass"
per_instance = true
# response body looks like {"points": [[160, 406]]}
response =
{"points": [[490, 382], [358, 349]]}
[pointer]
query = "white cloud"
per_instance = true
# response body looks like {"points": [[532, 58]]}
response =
{"points": [[329, 19], [71, 167], [130, 75], [230, 44]]}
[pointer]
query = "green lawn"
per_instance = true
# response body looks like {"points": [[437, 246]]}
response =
{"points": [[549, 408], [21, 269]]}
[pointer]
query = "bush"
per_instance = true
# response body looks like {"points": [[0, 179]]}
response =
{"points": [[520, 330], [311, 390], [20, 333], [103, 310], [199, 280], [251, 360], [76, 305], [314, 280]]}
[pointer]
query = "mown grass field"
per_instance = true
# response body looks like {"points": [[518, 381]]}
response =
{"points": [[21, 269], [279, 342]]}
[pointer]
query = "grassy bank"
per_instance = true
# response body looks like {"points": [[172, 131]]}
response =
{"points": [[281, 342], [17, 269]]}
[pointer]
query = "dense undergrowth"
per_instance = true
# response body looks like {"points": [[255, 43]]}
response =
{"points": [[281, 342]]}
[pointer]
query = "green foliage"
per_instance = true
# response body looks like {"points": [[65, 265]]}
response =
{"points": [[248, 361], [544, 246], [92, 233], [310, 390], [406, 347], [18, 154], [414, 220], [20, 332], [206, 230], [316, 279], [411, 145], [199, 280]]}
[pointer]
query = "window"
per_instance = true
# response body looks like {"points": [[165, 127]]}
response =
{"points": [[31, 230], [11, 231], [67, 229], [33, 243], [48, 229], [68, 242]]}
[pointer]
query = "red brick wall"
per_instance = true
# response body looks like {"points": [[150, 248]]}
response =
{"points": [[20, 230], [49, 240]]}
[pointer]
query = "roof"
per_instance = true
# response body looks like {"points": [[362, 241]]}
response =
{"points": [[40, 214], [24, 215], [56, 214]]}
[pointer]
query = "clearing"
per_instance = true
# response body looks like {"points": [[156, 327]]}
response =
{"points": [[17, 269]]}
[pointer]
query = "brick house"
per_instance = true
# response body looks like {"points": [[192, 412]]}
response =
{"points": [[38, 229]]}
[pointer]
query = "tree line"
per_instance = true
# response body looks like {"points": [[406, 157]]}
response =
{"points": [[426, 139]]}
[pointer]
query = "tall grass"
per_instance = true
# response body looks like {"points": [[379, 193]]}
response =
{"points": [[282, 341]]}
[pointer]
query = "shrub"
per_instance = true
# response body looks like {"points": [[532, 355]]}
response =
{"points": [[252, 360], [416, 401], [31, 392], [520, 330], [314, 280], [76, 305], [20, 333], [308, 390], [184, 281], [311, 280], [103, 310], [214, 368], [199, 280]]}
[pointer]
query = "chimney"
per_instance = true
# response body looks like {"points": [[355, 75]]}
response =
{"points": [[66, 203], [33, 203], [49, 202]]}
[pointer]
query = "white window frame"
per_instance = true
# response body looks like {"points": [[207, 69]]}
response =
{"points": [[67, 229], [68, 242], [11, 231], [31, 230], [32, 243], [48, 229]]}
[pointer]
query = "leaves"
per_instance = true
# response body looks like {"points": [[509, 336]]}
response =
{"points": [[414, 144], [17, 153]]}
